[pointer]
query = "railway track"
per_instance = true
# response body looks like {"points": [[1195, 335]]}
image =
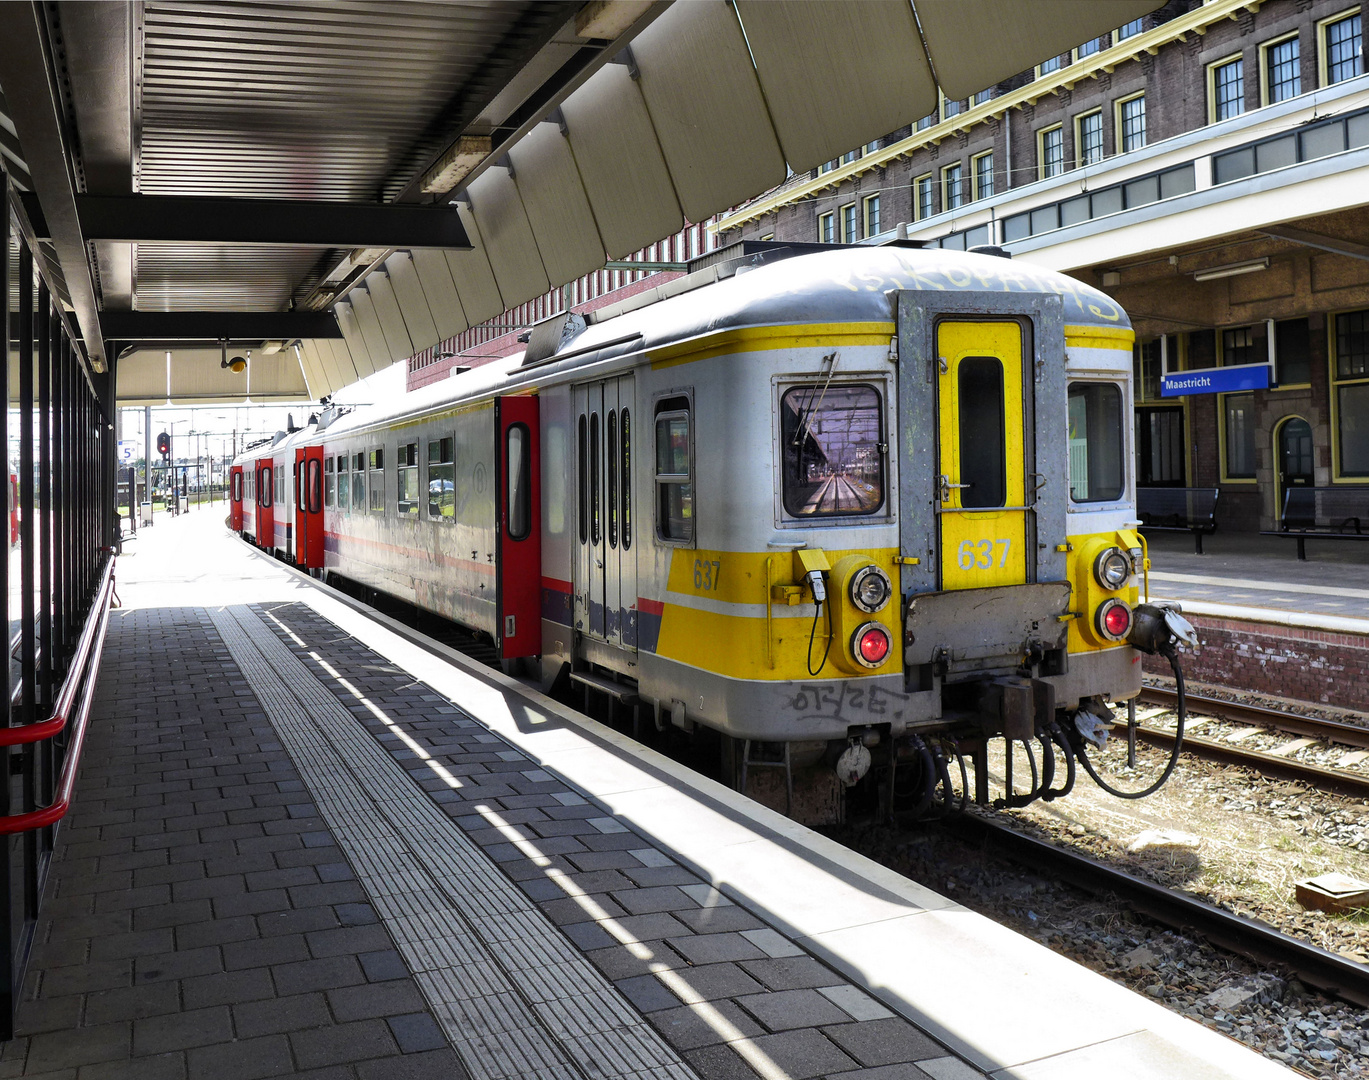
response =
{"points": [[1339, 781], [1334, 974]]}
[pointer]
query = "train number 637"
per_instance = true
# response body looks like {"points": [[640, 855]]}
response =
{"points": [[980, 553]]}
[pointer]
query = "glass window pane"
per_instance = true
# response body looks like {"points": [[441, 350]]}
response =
{"points": [[1091, 139], [519, 464], [1352, 412], [1352, 344], [672, 445], [1281, 70], [359, 482], [1293, 352], [832, 460], [849, 232], [1228, 90], [1052, 152], [625, 476], [595, 507], [1133, 115], [582, 475], [1095, 421], [1343, 49], [983, 176], [983, 447], [344, 485], [611, 458], [954, 194], [1240, 436]]}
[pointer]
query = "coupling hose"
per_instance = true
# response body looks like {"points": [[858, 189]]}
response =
{"points": [[1181, 713]]}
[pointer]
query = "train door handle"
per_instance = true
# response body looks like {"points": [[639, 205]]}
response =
{"points": [[946, 487], [599, 563]]}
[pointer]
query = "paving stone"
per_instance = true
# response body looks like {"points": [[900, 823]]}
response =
{"points": [[791, 973], [154, 1067], [719, 1062], [182, 1030], [647, 993], [433, 1065], [87, 978], [714, 981], [228, 988], [246, 1059], [416, 1032], [714, 948], [689, 1027], [902, 1071], [177, 965], [216, 932], [883, 1042], [787, 1009], [324, 974], [588, 936], [48, 1014], [383, 964], [854, 1002], [270, 1017], [259, 952], [343, 1043], [949, 1068], [642, 901], [348, 940], [127, 946], [375, 999]]}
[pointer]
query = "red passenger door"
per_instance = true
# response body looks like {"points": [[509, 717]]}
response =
{"points": [[301, 545], [309, 538], [235, 493], [518, 564], [266, 520]]}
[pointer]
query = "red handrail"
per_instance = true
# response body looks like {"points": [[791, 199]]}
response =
{"points": [[89, 652]]}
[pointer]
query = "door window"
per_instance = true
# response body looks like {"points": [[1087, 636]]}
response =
{"points": [[237, 487], [582, 476], [264, 486], [833, 460], [1295, 451], [518, 464], [625, 475], [612, 459], [1096, 453], [595, 521], [674, 473], [983, 449], [313, 485]]}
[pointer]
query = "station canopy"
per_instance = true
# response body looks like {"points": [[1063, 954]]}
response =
{"points": [[335, 186]]}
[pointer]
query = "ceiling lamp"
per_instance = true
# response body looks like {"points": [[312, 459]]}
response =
{"points": [[1231, 269]]}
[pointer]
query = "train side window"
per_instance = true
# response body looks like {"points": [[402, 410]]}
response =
{"points": [[612, 459], [1096, 442], [313, 485], [441, 481], [377, 481], [344, 484], [359, 481], [625, 475], [280, 485], [582, 480], [329, 484], [297, 480], [406, 490], [595, 521], [518, 464], [833, 450], [674, 472], [983, 434], [237, 487]]}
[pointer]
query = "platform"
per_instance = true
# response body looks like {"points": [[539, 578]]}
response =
{"points": [[307, 842]]}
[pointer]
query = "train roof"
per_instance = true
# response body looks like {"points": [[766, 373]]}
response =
{"points": [[849, 284]]}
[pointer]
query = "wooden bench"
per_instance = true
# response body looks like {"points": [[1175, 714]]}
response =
{"points": [[1323, 513], [1179, 510]]}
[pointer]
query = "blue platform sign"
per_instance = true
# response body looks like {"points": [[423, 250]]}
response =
{"points": [[1222, 380]]}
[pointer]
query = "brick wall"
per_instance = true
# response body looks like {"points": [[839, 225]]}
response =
{"points": [[1320, 666]]}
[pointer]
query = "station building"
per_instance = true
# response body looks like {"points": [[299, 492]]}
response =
{"points": [[1207, 165]]}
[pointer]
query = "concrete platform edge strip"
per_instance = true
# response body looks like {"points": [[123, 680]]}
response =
{"points": [[1337, 624], [489, 1009]]}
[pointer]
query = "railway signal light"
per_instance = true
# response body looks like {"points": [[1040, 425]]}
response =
{"points": [[164, 444]]}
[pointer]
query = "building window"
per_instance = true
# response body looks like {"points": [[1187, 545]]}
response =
{"points": [[849, 156], [1050, 151], [952, 187], [1131, 29], [827, 166], [1049, 66], [1225, 89], [950, 108], [1282, 79], [827, 228], [983, 96], [1089, 48], [871, 215], [871, 147], [1238, 436], [926, 122], [1342, 49], [1241, 346], [850, 233], [1131, 123], [1350, 393], [1088, 137], [922, 196], [983, 175], [1292, 352]]}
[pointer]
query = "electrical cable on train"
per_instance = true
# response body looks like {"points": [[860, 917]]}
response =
{"points": [[873, 504]]}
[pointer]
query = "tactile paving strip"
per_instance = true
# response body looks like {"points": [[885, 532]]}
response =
{"points": [[512, 1004]]}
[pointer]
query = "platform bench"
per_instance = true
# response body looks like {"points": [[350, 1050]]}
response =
{"points": [[1323, 513], [1179, 510]]}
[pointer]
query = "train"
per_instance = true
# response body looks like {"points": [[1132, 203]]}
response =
{"points": [[868, 507]]}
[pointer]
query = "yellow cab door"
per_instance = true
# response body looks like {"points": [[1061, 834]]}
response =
{"points": [[982, 484]]}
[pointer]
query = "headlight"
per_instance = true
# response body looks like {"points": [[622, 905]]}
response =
{"points": [[1112, 568], [870, 589]]}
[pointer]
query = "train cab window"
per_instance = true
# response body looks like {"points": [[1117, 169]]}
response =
{"points": [[518, 464], [1096, 443], [329, 484], [237, 487], [344, 485], [377, 481], [625, 476], [313, 485], [359, 481], [406, 490], [441, 481], [983, 433], [674, 472], [833, 451]]}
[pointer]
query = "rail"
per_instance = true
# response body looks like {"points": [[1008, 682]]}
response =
{"points": [[80, 681]]}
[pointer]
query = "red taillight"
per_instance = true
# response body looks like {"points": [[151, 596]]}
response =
{"points": [[871, 644], [1114, 619]]}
